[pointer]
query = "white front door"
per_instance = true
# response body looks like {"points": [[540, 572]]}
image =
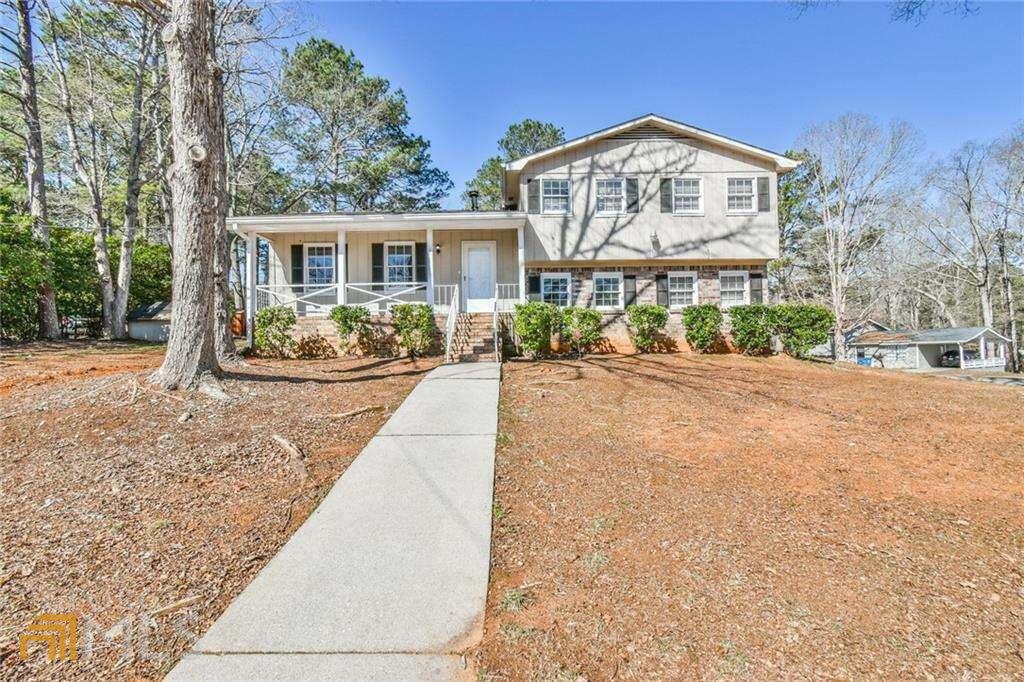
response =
{"points": [[479, 270]]}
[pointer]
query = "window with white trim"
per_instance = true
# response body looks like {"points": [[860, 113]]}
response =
{"points": [[686, 195], [734, 287], [555, 196], [556, 288], [682, 289], [611, 195], [608, 290], [319, 264], [741, 195], [399, 262]]}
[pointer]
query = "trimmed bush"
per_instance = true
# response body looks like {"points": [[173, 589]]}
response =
{"points": [[415, 327], [271, 331], [645, 321], [803, 326], [581, 328], [314, 347], [752, 328], [703, 326], [351, 319], [535, 322]]}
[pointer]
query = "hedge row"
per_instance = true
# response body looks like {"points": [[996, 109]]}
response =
{"points": [[800, 327]]}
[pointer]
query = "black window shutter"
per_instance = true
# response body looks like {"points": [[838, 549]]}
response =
{"points": [[377, 262], [756, 288], [763, 197], [421, 261], [666, 195], [297, 265], [629, 290], [533, 195], [632, 199], [533, 287], [661, 285]]}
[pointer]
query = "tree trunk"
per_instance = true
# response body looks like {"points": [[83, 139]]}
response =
{"points": [[1008, 303], [985, 296], [101, 256], [49, 323], [119, 316], [191, 355]]}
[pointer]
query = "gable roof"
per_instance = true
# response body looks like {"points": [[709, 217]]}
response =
{"points": [[782, 163], [160, 310], [925, 337]]}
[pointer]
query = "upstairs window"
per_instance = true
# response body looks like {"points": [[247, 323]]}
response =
{"points": [[686, 196], [682, 289], [611, 195], [555, 196], [733, 287], [608, 290], [741, 195], [555, 287], [400, 262], [319, 264]]}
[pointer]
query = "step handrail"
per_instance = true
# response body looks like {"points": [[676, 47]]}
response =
{"points": [[453, 314]]}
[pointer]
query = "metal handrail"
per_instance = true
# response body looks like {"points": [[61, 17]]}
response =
{"points": [[494, 330], [453, 313]]}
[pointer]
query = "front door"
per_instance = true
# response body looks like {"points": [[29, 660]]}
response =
{"points": [[479, 269]]}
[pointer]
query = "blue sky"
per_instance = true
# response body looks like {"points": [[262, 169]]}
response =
{"points": [[757, 72]]}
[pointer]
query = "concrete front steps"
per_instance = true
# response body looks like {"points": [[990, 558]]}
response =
{"points": [[473, 339]]}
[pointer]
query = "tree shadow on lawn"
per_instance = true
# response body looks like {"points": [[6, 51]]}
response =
{"points": [[292, 379]]}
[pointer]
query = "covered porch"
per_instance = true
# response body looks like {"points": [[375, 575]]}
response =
{"points": [[459, 261]]}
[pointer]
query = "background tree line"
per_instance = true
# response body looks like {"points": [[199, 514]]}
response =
{"points": [[86, 155]]}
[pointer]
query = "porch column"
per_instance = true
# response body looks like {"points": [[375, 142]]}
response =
{"points": [[1002, 350], [961, 347], [981, 345], [250, 284], [339, 267], [521, 245], [430, 267]]}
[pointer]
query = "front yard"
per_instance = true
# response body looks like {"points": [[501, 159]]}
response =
{"points": [[147, 512], [701, 516]]}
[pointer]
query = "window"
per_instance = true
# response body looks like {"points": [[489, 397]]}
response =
{"points": [[733, 286], [741, 195], [608, 290], [686, 195], [611, 195], [555, 288], [319, 264], [682, 289], [399, 262], [555, 196]]}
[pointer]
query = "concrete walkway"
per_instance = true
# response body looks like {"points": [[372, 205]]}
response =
{"points": [[387, 579]]}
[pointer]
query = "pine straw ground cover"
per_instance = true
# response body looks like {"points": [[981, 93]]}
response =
{"points": [[146, 512], [667, 517]]}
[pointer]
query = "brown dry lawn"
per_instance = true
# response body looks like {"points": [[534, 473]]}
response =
{"points": [[126, 504], [681, 516]]}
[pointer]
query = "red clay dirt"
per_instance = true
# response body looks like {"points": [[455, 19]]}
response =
{"points": [[146, 512], [684, 516]]}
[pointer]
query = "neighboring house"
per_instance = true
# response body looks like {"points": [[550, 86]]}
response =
{"points": [[828, 350], [150, 322], [969, 348], [650, 210]]}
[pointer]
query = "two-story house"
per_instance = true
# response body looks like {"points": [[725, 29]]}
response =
{"points": [[649, 210]]}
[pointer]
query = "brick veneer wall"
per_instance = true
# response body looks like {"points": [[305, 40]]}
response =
{"points": [[615, 328]]}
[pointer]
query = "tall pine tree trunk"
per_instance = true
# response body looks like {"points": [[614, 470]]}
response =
{"points": [[191, 354], [49, 323], [1008, 303], [224, 342]]}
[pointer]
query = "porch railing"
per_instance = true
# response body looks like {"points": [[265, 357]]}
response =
{"points": [[981, 363], [507, 295], [449, 323], [443, 295], [379, 297], [306, 299]]}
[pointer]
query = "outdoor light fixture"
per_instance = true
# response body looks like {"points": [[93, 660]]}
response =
{"points": [[437, 249]]}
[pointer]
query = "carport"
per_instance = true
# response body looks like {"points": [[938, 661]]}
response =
{"points": [[977, 348]]}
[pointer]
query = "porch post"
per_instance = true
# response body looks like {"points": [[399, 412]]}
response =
{"points": [[339, 267], [430, 267], [250, 284], [982, 344], [521, 244], [961, 347]]}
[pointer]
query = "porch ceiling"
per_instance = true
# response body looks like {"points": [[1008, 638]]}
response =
{"points": [[321, 222]]}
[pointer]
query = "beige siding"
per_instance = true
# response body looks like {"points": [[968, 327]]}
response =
{"points": [[713, 235], [448, 263]]}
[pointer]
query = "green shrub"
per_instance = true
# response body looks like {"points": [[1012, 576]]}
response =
{"points": [[752, 327], [645, 321], [534, 323], [271, 331], [581, 328], [415, 327], [803, 326], [703, 326], [21, 272], [351, 319]]}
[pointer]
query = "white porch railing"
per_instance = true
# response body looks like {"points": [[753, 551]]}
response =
{"points": [[506, 297], [443, 295], [982, 363], [449, 331], [380, 297], [305, 299]]}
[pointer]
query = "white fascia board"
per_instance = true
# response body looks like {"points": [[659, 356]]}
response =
{"points": [[323, 222]]}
